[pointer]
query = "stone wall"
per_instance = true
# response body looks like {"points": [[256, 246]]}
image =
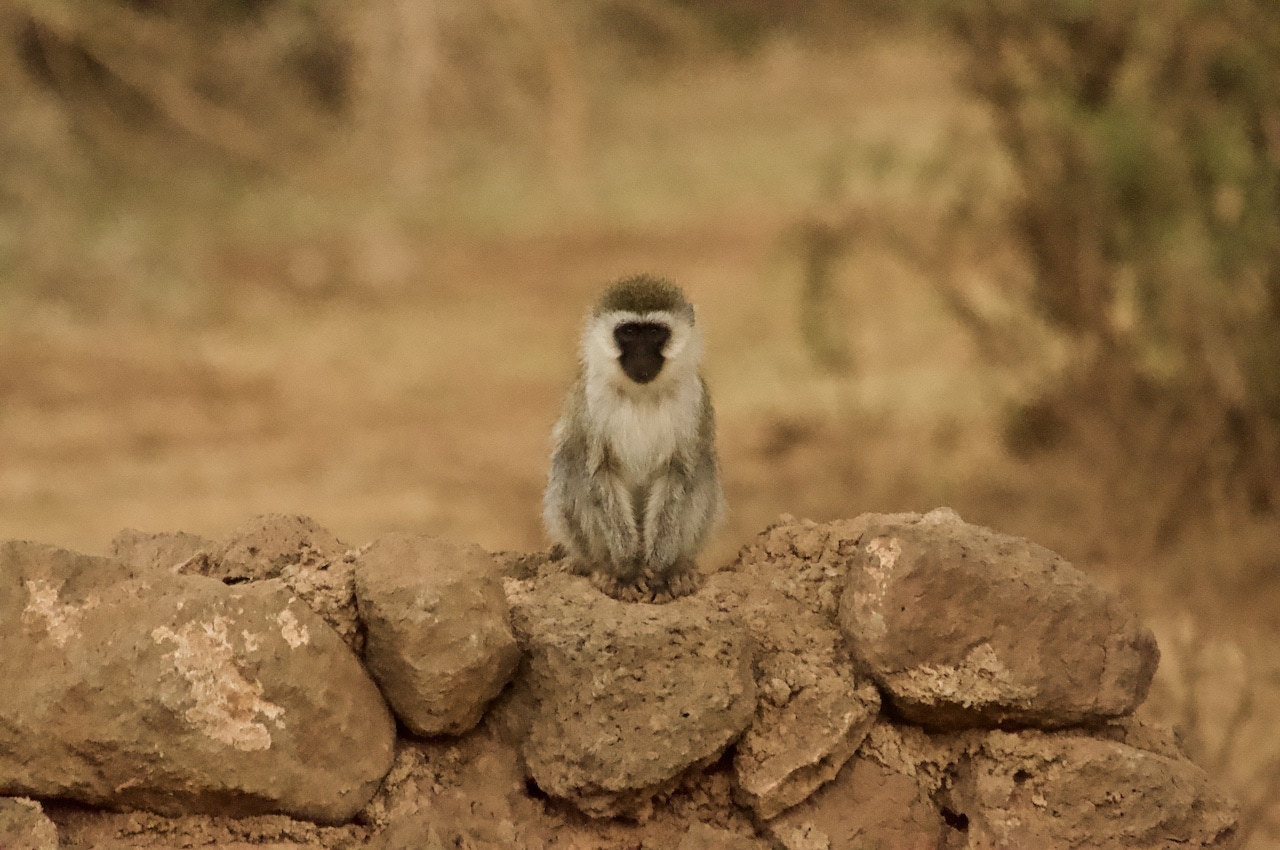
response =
{"points": [[891, 681]]}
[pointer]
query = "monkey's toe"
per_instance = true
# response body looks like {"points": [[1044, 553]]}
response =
{"points": [[647, 585], [684, 584], [624, 590]]}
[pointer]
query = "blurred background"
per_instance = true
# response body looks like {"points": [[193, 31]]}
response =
{"points": [[332, 258]]}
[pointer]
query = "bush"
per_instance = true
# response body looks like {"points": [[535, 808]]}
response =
{"points": [[1145, 139]]}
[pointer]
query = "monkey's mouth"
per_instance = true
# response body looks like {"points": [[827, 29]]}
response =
{"points": [[641, 344], [642, 370]]}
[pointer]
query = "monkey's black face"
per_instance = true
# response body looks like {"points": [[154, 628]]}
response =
{"points": [[641, 344]]}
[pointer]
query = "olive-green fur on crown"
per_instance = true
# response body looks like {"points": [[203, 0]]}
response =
{"points": [[643, 293]]}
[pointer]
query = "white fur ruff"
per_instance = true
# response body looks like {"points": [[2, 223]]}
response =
{"points": [[643, 424]]}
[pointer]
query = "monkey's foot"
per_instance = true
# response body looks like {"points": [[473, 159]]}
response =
{"points": [[682, 579], [683, 583]]}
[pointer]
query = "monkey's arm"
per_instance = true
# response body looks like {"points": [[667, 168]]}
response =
{"points": [[608, 515], [685, 501], [590, 506], [683, 505]]}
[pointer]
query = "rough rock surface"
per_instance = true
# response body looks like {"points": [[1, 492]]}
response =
{"points": [[23, 826], [867, 806], [702, 836], [265, 546], [805, 560], [436, 634], [471, 791], [1068, 791], [962, 626], [163, 687], [812, 711], [910, 751], [167, 550], [625, 697], [178, 693], [465, 792], [293, 550], [95, 829]]}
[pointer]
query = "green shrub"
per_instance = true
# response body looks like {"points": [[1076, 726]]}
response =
{"points": [[1145, 139]]}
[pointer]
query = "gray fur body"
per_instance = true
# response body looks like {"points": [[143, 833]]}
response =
{"points": [[634, 487]]}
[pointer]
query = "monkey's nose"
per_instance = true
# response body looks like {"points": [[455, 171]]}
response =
{"points": [[641, 369]]}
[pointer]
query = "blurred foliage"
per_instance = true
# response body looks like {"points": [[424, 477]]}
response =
{"points": [[161, 142], [1145, 139], [146, 141], [663, 28]]}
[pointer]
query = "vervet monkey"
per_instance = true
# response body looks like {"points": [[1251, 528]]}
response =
{"points": [[634, 487]]}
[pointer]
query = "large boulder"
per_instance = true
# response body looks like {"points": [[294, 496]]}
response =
{"points": [[179, 693], [813, 710], [1030, 789], [962, 626], [624, 698], [436, 634]]}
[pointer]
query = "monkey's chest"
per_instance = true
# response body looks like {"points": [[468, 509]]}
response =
{"points": [[642, 444]]}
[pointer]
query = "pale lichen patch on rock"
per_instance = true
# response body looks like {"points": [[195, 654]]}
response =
{"points": [[60, 620], [294, 633], [227, 705], [867, 603], [980, 679]]}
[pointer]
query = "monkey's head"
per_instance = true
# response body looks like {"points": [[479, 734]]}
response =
{"points": [[641, 333]]}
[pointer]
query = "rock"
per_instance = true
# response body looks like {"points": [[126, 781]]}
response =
{"points": [[330, 591], [437, 638], [295, 551], [265, 546], [703, 836], [85, 828], [1144, 734], [179, 694], [806, 837], [529, 565], [23, 826], [169, 550], [867, 806], [625, 697], [962, 626], [908, 750], [812, 711], [804, 560], [1030, 789], [466, 792]]}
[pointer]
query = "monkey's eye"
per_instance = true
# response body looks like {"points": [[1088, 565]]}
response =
{"points": [[646, 336]]}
